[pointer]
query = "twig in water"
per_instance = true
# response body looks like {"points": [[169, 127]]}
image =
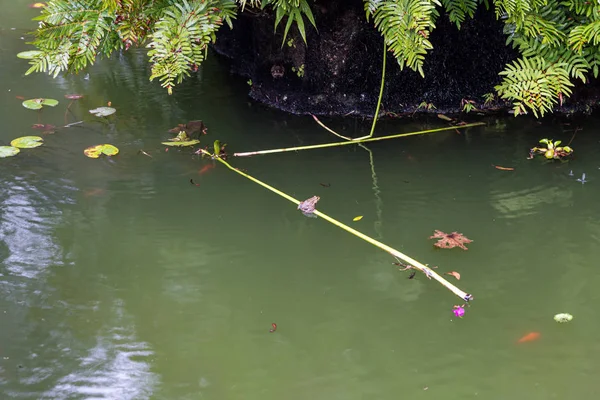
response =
{"points": [[144, 153], [72, 123], [573, 137]]}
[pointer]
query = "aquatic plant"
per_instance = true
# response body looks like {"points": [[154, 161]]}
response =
{"points": [[8, 151], [27, 142], [103, 111], [552, 151], [101, 149], [37, 104], [181, 140], [563, 317]]}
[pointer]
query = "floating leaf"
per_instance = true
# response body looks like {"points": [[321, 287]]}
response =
{"points": [[563, 317], [28, 55], [503, 168], [37, 5], [36, 104], [357, 218], [445, 118], [450, 240], [454, 274], [103, 111], [182, 136], [73, 96], [182, 144], [27, 142], [45, 128], [98, 150], [8, 151], [50, 102], [217, 147]]}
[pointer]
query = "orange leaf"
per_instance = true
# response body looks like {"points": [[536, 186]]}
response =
{"points": [[503, 168], [454, 274]]}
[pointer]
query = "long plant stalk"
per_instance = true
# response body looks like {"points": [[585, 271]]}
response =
{"points": [[410, 261], [376, 116], [347, 142]]}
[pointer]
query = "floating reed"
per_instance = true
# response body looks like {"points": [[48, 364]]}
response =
{"points": [[410, 261], [354, 141]]}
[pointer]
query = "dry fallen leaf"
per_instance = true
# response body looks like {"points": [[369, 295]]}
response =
{"points": [[357, 218], [503, 168], [454, 274]]}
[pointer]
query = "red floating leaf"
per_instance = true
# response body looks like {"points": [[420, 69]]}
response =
{"points": [[450, 240], [73, 96]]}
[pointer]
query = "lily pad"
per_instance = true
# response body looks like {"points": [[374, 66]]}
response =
{"points": [[8, 151], [27, 142], [28, 55], [182, 144], [36, 104], [563, 317], [98, 150], [103, 111]]}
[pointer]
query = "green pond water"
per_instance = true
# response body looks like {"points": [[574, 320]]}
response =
{"points": [[121, 280]]}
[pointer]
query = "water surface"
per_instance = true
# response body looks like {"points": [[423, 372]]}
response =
{"points": [[120, 280]]}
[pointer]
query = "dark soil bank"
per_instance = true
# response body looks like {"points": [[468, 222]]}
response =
{"points": [[339, 72]]}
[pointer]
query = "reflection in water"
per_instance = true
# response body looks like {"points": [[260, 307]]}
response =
{"points": [[117, 367], [27, 219], [525, 202]]}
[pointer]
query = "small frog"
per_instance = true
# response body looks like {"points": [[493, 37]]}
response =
{"points": [[308, 206]]}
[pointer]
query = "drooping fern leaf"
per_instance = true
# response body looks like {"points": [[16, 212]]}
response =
{"points": [[458, 10], [295, 11], [405, 26], [180, 40], [532, 83]]}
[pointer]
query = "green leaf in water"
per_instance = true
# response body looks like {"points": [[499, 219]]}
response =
{"points": [[182, 144], [36, 104], [27, 142], [217, 146], [8, 151], [98, 150], [49, 102], [103, 111], [28, 55]]}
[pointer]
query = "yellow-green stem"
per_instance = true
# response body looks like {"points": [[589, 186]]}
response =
{"points": [[414, 263], [371, 139]]}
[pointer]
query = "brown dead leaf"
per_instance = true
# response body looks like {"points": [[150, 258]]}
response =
{"points": [[503, 168], [454, 274]]}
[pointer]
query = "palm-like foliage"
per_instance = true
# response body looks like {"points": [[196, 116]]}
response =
{"points": [[559, 39]]}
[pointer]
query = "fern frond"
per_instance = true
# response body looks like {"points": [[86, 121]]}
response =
{"points": [[180, 40], [584, 34], [295, 11], [405, 26], [458, 10], [532, 83]]}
